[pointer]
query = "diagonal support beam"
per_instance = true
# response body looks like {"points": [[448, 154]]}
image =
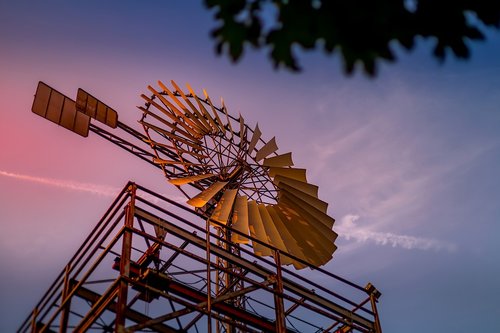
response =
{"points": [[131, 314]]}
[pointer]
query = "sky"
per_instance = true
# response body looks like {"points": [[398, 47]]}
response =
{"points": [[409, 162]]}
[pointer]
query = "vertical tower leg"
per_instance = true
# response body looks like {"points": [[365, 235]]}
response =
{"points": [[279, 305], [65, 311], [125, 262]]}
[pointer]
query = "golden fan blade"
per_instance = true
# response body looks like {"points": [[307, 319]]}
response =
{"points": [[195, 114], [154, 143], [312, 221], [224, 206], [269, 148], [168, 113], [224, 109], [297, 174], [307, 188], [273, 236], [170, 135], [289, 241], [203, 197], [173, 126], [257, 230], [242, 132], [178, 112], [255, 138], [313, 243], [311, 210], [220, 125], [240, 220], [279, 160], [204, 111], [313, 201], [179, 150], [312, 232], [190, 179]]}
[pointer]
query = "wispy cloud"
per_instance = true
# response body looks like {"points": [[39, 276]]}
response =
{"points": [[348, 229], [397, 166]]}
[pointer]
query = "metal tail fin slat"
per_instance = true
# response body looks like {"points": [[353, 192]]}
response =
{"points": [[60, 109]]}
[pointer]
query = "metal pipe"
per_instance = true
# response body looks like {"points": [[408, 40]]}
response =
{"points": [[278, 300], [125, 262]]}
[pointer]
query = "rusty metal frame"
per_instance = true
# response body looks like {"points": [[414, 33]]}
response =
{"points": [[125, 278]]}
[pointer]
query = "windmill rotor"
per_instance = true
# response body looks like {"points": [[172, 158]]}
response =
{"points": [[236, 177]]}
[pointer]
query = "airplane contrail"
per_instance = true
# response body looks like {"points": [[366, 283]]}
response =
{"points": [[107, 191], [102, 190]]}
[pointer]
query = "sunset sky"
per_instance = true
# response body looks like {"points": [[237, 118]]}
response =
{"points": [[409, 162]]}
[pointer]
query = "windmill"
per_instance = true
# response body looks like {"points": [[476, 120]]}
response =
{"points": [[246, 190]]}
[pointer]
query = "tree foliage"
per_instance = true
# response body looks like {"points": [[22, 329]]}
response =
{"points": [[360, 31]]}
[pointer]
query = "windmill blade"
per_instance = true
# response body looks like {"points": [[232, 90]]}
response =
{"points": [[311, 210], [273, 236], [243, 132], [179, 150], [269, 148], [294, 173], [186, 115], [314, 234], [289, 241], [224, 109], [190, 179], [173, 126], [224, 206], [308, 239], [255, 138], [204, 111], [170, 135], [240, 220], [257, 230], [193, 152], [304, 197], [203, 197], [307, 188], [220, 125], [155, 143], [180, 115], [312, 221], [279, 160], [169, 114], [195, 114]]}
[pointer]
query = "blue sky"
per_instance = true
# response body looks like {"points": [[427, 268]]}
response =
{"points": [[409, 162]]}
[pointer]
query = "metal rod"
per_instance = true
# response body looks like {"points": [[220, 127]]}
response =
{"points": [[34, 319], [63, 326], [209, 280], [125, 261], [373, 301], [279, 305]]}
